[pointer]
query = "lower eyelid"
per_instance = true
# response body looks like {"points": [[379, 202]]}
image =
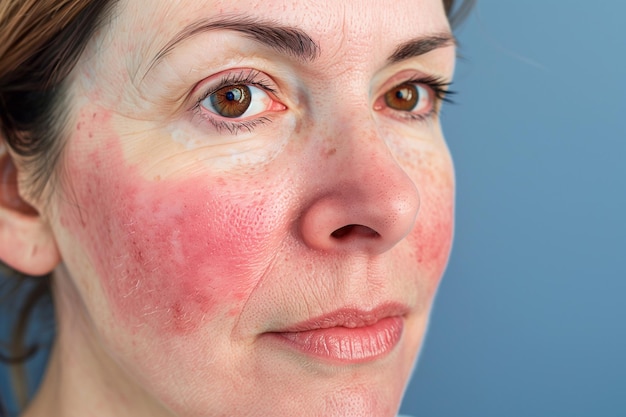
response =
{"points": [[405, 116], [235, 128], [222, 124]]}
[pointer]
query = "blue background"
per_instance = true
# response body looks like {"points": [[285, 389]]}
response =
{"points": [[530, 317]]}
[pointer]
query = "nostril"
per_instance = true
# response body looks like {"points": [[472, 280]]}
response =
{"points": [[354, 230]]}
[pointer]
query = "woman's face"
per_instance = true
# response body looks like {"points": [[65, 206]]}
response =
{"points": [[257, 201]]}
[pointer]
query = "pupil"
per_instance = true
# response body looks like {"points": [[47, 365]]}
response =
{"points": [[234, 94]]}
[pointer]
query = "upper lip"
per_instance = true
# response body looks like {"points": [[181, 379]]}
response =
{"points": [[348, 317]]}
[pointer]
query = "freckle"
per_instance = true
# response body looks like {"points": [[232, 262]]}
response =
{"points": [[330, 152]]}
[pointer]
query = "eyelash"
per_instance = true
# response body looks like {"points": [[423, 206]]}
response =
{"points": [[250, 78], [438, 86]]}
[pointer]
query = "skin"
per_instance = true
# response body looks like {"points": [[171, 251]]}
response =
{"points": [[183, 244]]}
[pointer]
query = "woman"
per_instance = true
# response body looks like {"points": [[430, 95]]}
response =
{"points": [[246, 206]]}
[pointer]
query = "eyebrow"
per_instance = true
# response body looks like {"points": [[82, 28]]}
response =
{"points": [[292, 41], [420, 46]]}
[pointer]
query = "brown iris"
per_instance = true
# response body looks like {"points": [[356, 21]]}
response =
{"points": [[403, 97], [231, 101]]}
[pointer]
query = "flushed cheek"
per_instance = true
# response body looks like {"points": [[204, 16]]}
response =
{"points": [[169, 254], [432, 235]]}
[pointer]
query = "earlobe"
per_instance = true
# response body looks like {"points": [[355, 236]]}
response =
{"points": [[26, 241]]}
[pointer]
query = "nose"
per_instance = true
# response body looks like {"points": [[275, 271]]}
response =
{"points": [[363, 200]]}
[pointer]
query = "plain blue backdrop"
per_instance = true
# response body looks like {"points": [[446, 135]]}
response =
{"points": [[530, 319]]}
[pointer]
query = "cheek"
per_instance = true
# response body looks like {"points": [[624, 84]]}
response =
{"points": [[169, 254], [432, 236]]}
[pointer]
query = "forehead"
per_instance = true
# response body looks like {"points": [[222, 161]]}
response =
{"points": [[356, 27]]}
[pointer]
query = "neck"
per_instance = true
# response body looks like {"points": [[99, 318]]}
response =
{"points": [[82, 378]]}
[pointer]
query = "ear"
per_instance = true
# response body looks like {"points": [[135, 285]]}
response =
{"points": [[26, 240]]}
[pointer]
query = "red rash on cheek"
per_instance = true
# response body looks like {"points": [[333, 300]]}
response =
{"points": [[173, 254], [433, 232], [168, 253]]}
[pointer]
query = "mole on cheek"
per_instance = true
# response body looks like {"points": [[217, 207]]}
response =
{"points": [[169, 254]]}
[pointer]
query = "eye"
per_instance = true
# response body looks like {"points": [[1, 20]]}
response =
{"points": [[418, 98], [410, 97], [237, 101]]}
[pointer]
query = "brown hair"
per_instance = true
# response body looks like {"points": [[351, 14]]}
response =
{"points": [[40, 43]]}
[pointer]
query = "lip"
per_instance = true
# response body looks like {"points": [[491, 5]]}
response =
{"points": [[347, 335]]}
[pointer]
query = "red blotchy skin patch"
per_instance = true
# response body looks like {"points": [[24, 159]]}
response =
{"points": [[168, 253], [173, 252], [432, 235]]}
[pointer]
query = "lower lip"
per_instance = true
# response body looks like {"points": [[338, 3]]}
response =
{"points": [[348, 345]]}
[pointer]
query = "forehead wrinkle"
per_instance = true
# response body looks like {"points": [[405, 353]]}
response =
{"points": [[343, 35], [351, 32]]}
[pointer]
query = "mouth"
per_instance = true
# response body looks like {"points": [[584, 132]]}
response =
{"points": [[347, 335]]}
